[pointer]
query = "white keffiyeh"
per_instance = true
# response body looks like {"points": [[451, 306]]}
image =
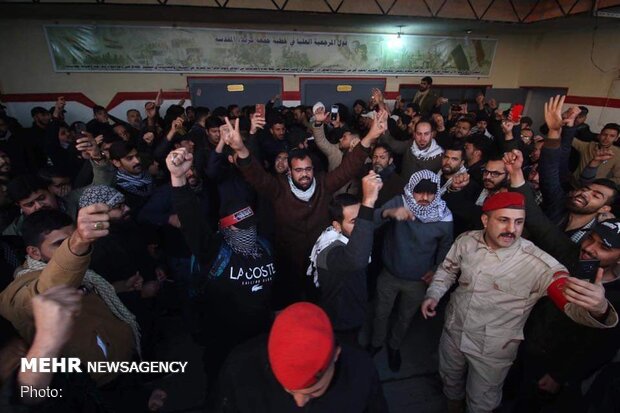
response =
{"points": [[431, 152], [327, 237], [301, 194]]}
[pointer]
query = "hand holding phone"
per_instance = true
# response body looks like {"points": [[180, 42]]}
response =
{"points": [[334, 112], [260, 110], [588, 269]]}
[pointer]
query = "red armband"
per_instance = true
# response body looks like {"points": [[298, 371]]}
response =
{"points": [[555, 291]]}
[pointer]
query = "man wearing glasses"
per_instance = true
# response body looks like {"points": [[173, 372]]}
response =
{"points": [[494, 178]]}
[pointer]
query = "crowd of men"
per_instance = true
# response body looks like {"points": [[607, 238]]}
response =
{"points": [[278, 234]]}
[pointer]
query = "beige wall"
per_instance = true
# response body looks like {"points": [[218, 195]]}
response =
{"points": [[563, 59], [544, 60]]}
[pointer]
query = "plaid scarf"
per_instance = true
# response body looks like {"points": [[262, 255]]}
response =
{"points": [[104, 290], [433, 151], [434, 212], [141, 185], [242, 241]]}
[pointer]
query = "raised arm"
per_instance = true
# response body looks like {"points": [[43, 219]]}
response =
{"points": [[333, 153], [194, 224]]}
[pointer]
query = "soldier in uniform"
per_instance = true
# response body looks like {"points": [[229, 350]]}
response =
{"points": [[501, 278]]}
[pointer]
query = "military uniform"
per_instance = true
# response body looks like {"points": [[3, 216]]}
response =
{"points": [[487, 312]]}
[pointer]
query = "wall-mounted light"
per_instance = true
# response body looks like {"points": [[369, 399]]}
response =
{"points": [[395, 41]]}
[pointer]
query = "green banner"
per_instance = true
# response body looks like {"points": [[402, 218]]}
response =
{"points": [[78, 48]]}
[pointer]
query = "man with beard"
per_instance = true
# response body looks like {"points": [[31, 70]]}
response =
{"points": [[383, 164], [133, 271], [459, 190], [557, 352], [417, 239], [134, 118], [233, 291], [425, 97], [135, 183], [494, 178], [100, 124], [577, 212], [605, 141], [421, 153], [501, 276], [280, 165], [475, 150], [340, 256], [300, 203], [30, 194], [104, 330]]}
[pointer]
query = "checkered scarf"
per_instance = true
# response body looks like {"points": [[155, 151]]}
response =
{"points": [[242, 241], [101, 194], [104, 290], [141, 185], [437, 210]]}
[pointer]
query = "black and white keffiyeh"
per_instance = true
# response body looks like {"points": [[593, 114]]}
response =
{"points": [[437, 210], [299, 193], [141, 185], [327, 237], [242, 241], [431, 152]]}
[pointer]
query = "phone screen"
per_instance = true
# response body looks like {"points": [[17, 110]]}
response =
{"points": [[260, 110], [588, 269], [334, 112]]}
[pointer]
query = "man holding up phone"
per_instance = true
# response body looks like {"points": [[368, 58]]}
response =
{"points": [[558, 352]]}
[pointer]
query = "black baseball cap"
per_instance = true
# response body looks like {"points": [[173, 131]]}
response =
{"points": [[609, 231]]}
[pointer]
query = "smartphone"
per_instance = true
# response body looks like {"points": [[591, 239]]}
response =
{"points": [[455, 108], [588, 269], [334, 114], [79, 127], [260, 110], [515, 113]]}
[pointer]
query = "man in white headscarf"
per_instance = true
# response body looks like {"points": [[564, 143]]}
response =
{"points": [[417, 239]]}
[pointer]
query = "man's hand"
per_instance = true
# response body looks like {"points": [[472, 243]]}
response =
{"points": [[179, 162], [135, 282], [568, 117], [514, 162], [441, 101], [87, 146], [428, 277], [256, 123], [507, 129], [275, 98], [93, 222], [371, 185], [492, 103], [399, 214], [379, 125], [232, 137], [174, 221], [160, 274], [587, 295], [151, 109], [600, 157], [428, 308], [159, 100], [376, 95], [55, 311], [553, 115], [320, 116], [459, 181], [176, 126], [548, 384]]}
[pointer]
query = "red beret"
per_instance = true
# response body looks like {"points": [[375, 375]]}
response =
{"points": [[301, 346], [502, 200]]}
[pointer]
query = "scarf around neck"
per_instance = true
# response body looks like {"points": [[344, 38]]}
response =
{"points": [[431, 152], [141, 185], [300, 193], [327, 237], [103, 289], [437, 210]]}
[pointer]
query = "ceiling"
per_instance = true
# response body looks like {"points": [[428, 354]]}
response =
{"points": [[370, 16]]}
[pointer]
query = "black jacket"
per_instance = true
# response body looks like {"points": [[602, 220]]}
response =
{"points": [[342, 275], [247, 384]]}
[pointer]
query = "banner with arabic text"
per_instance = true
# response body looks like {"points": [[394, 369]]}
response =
{"points": [[79, 48]]}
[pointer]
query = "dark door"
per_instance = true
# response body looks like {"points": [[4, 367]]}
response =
{"points": [[338, 90], [224, 91]]}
